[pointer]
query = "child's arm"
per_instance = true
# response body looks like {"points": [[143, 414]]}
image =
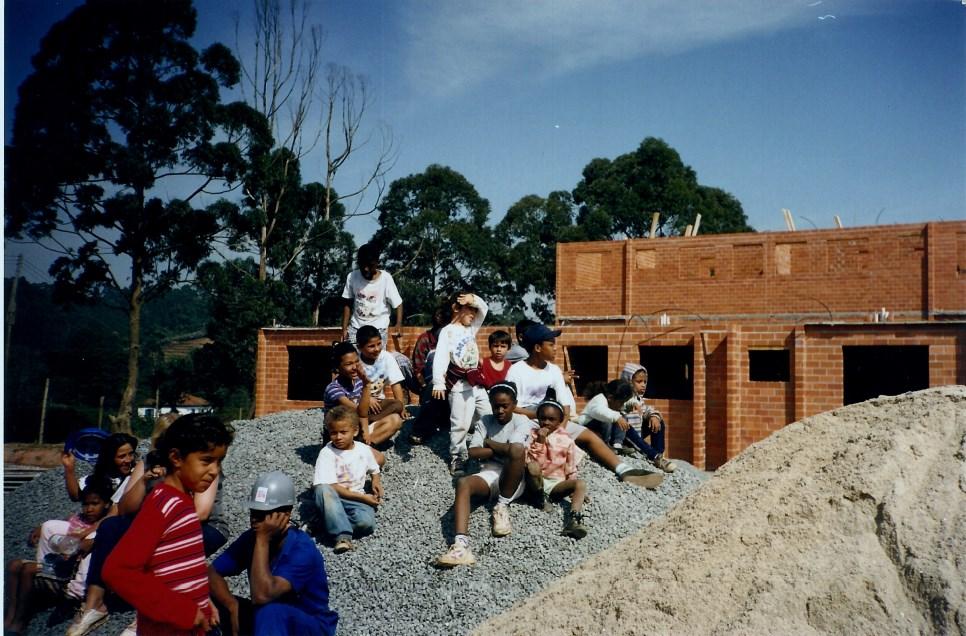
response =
{"points": [[205, 501], [70, 476], [125, 572], [399, 318], [223, 596], [377, 486], [352, 495], [130, 503], [397, 392], [440, 364], [265, 586], [481, 309], [570, 467]]}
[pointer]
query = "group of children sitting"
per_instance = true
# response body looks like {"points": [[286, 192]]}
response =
{"points": [[147, 527], [513, 412]]}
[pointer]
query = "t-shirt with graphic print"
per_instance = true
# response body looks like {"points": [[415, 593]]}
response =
{"points": [[371, 299], [347, 468], [382, 373]]}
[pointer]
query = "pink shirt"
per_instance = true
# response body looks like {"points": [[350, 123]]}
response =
{"points": [[558, 457]]}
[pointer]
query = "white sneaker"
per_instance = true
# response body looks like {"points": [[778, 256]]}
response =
{"points": [[86, 623], [458, 554], [501, 520], [131, 629]]}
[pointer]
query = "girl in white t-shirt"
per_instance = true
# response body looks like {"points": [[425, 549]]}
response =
{"points": [[457, 353]]}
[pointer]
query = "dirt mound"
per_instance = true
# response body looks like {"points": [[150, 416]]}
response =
{"points": [[851, 522]]}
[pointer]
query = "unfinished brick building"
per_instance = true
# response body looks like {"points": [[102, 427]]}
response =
{"points": [[741, 333]]}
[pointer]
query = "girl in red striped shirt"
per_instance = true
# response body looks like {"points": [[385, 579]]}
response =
{"points": [[159, 565]]}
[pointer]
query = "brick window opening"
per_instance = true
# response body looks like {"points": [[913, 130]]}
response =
{"points": [[871, 371], [590, 364], [669, 375], [309, 372], [769, 365]]}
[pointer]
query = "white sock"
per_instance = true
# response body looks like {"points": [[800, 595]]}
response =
{"points": [[503, 501], [463, 540], [621, 469]]}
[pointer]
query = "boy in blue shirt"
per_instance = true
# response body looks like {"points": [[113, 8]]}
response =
{"points": [[289, 587]]}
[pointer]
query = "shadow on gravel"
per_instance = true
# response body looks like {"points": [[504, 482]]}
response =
{"points": [[309, 453]]}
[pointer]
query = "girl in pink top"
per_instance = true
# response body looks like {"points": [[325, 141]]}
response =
{"points": [[552, 459]]}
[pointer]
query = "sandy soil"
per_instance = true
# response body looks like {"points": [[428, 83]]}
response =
{"points": [[45, 455], [848, 522]]}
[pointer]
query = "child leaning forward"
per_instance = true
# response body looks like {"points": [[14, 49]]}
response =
{"points": [[552, 458], [340, 479]]}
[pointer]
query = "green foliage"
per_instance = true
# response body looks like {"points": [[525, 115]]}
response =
{"points": [[120, 103], [617, 197], [435, 239], [529, 234]]}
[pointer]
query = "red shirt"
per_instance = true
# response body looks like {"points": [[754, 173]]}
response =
{"points": [[486, 376], [159, 566]]}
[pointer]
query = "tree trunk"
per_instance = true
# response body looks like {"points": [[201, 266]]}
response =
{"points": [[122, 422], [315, 314], [263, 255]]}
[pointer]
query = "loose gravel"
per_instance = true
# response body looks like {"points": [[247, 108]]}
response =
{"points": [[388, 584]]}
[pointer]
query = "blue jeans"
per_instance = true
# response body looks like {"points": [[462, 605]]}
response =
{"points": [[279, 619], [655, 448], [343, 518], [608, 431]]}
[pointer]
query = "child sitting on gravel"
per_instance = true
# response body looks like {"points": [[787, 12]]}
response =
{"points": [[340, 478], [651, 421], [498, 443], [552, 458], [159, 564], [383, 372], [62, 571], [350, 389], [456, 354]]}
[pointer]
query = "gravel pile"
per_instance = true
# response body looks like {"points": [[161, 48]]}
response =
{"points": [[388, 584]]}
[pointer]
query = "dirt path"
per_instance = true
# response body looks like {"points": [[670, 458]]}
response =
{"points": [[849, 522]]}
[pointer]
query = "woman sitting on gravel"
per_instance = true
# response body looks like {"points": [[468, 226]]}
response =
{"points": [[552, 458], [116, 462], [498, 444]]}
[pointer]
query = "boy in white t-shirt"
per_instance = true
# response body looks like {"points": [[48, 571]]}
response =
{"points": [[340, 478], [536, 374], [369, 293], [385, 376]]}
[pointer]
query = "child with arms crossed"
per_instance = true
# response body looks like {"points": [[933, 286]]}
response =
{"points": [[340, 478], [498, 443]]}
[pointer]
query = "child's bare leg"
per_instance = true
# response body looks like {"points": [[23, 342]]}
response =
{"points": [[578, 495], [380, 457], [21, 600], [599, 449], [95, 598], [466, 488], [385, 425], [388, 407], [513, 469], [12, 586], [564, 488]]}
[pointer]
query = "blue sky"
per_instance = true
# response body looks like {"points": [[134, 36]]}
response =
{"points": [[848, 107]]}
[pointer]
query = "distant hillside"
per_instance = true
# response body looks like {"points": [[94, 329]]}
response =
{"points": [[82, 349]]}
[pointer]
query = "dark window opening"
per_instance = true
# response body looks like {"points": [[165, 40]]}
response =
{"points": [[669, 373], [769, 365], [871, 371], [590, 363], [309, 372]]}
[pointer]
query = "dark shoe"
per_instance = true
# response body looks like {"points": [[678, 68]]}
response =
{"points": [[664, 464], [457, 466], [642, 478], [574, 525]]}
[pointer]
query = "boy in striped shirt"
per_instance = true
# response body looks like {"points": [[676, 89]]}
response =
{"points": [[159, 565]]}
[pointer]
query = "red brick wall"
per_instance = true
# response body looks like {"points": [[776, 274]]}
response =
{"points": [[915, 271]]}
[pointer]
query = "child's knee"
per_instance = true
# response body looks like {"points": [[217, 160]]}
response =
{"points": [[326, 496], [364, 524], [517, 453]]}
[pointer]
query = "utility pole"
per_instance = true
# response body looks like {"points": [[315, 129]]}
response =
{"points": [[43, 411], [100, 413], [12, 310]]}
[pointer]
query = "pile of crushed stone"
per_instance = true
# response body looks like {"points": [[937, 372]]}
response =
{"points": [[848, 522], [388, 585]]}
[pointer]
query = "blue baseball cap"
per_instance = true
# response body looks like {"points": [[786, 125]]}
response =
{"points": [[539, 333]]}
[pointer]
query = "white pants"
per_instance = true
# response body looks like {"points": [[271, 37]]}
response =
{"points": [[467, 404], [77, 586]]}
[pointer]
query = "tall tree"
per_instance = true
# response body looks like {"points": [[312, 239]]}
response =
{"points": [[121, 108], [529, 234], [617, 197], [435, 238]]}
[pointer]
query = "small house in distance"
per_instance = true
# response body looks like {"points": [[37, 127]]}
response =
{"points": [[187, 403]]}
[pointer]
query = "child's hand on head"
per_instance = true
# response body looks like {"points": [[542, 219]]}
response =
{"points": [[465, 299], [67, 460], [361, 372]]}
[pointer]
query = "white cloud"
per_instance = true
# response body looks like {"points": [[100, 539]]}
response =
{"points": [[454, 46]]}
